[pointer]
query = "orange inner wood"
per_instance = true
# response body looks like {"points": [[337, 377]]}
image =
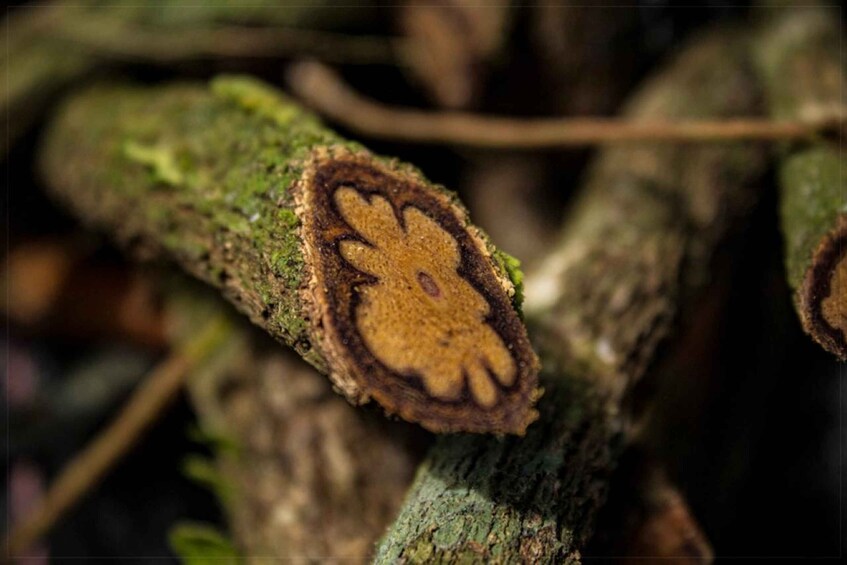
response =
{"points": [[421, 316]]}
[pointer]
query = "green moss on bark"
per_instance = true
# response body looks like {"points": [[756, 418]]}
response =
{"points": [[197, 173], [490, 500], [813, 194]]}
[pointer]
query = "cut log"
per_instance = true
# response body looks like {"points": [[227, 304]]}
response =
{"points": [[371, 273], [801, 62]]}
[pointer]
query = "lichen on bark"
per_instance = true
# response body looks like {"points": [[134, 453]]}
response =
{"points": [[239, 185]]}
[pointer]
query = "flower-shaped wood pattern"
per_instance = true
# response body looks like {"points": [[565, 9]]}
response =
{"points": [[415, 265], [410, 304]]}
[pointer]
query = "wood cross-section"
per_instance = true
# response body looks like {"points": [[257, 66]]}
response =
{"points": [[416, 270], [409, 301], [822, 299]]}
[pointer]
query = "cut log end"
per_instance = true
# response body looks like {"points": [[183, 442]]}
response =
{"points": [[407, 303], [823, 294]]}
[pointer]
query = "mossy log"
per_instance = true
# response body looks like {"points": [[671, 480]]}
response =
{"points": [[371, 273], [635, 248], [289, 468], [801, 62]]}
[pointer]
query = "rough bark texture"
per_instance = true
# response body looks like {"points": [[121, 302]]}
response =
{"points": [[800, 59], [301, 474], [635, 247], [357, 262]]}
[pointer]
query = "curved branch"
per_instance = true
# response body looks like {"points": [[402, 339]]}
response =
{"points": [[325, 91]]}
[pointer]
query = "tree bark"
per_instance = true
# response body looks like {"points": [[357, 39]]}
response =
{"points": [[633, 252], [301, 474], [371, 273], [800, 59]]}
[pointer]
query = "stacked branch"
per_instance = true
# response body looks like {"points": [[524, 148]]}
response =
{"points": [[50, 46], [371, 273], [290, 469], [801, 62], [377, 278], [634, 251], [323, 90]]}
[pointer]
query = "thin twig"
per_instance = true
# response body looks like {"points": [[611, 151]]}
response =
{"points": [[325, 91], [157, 390]]}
